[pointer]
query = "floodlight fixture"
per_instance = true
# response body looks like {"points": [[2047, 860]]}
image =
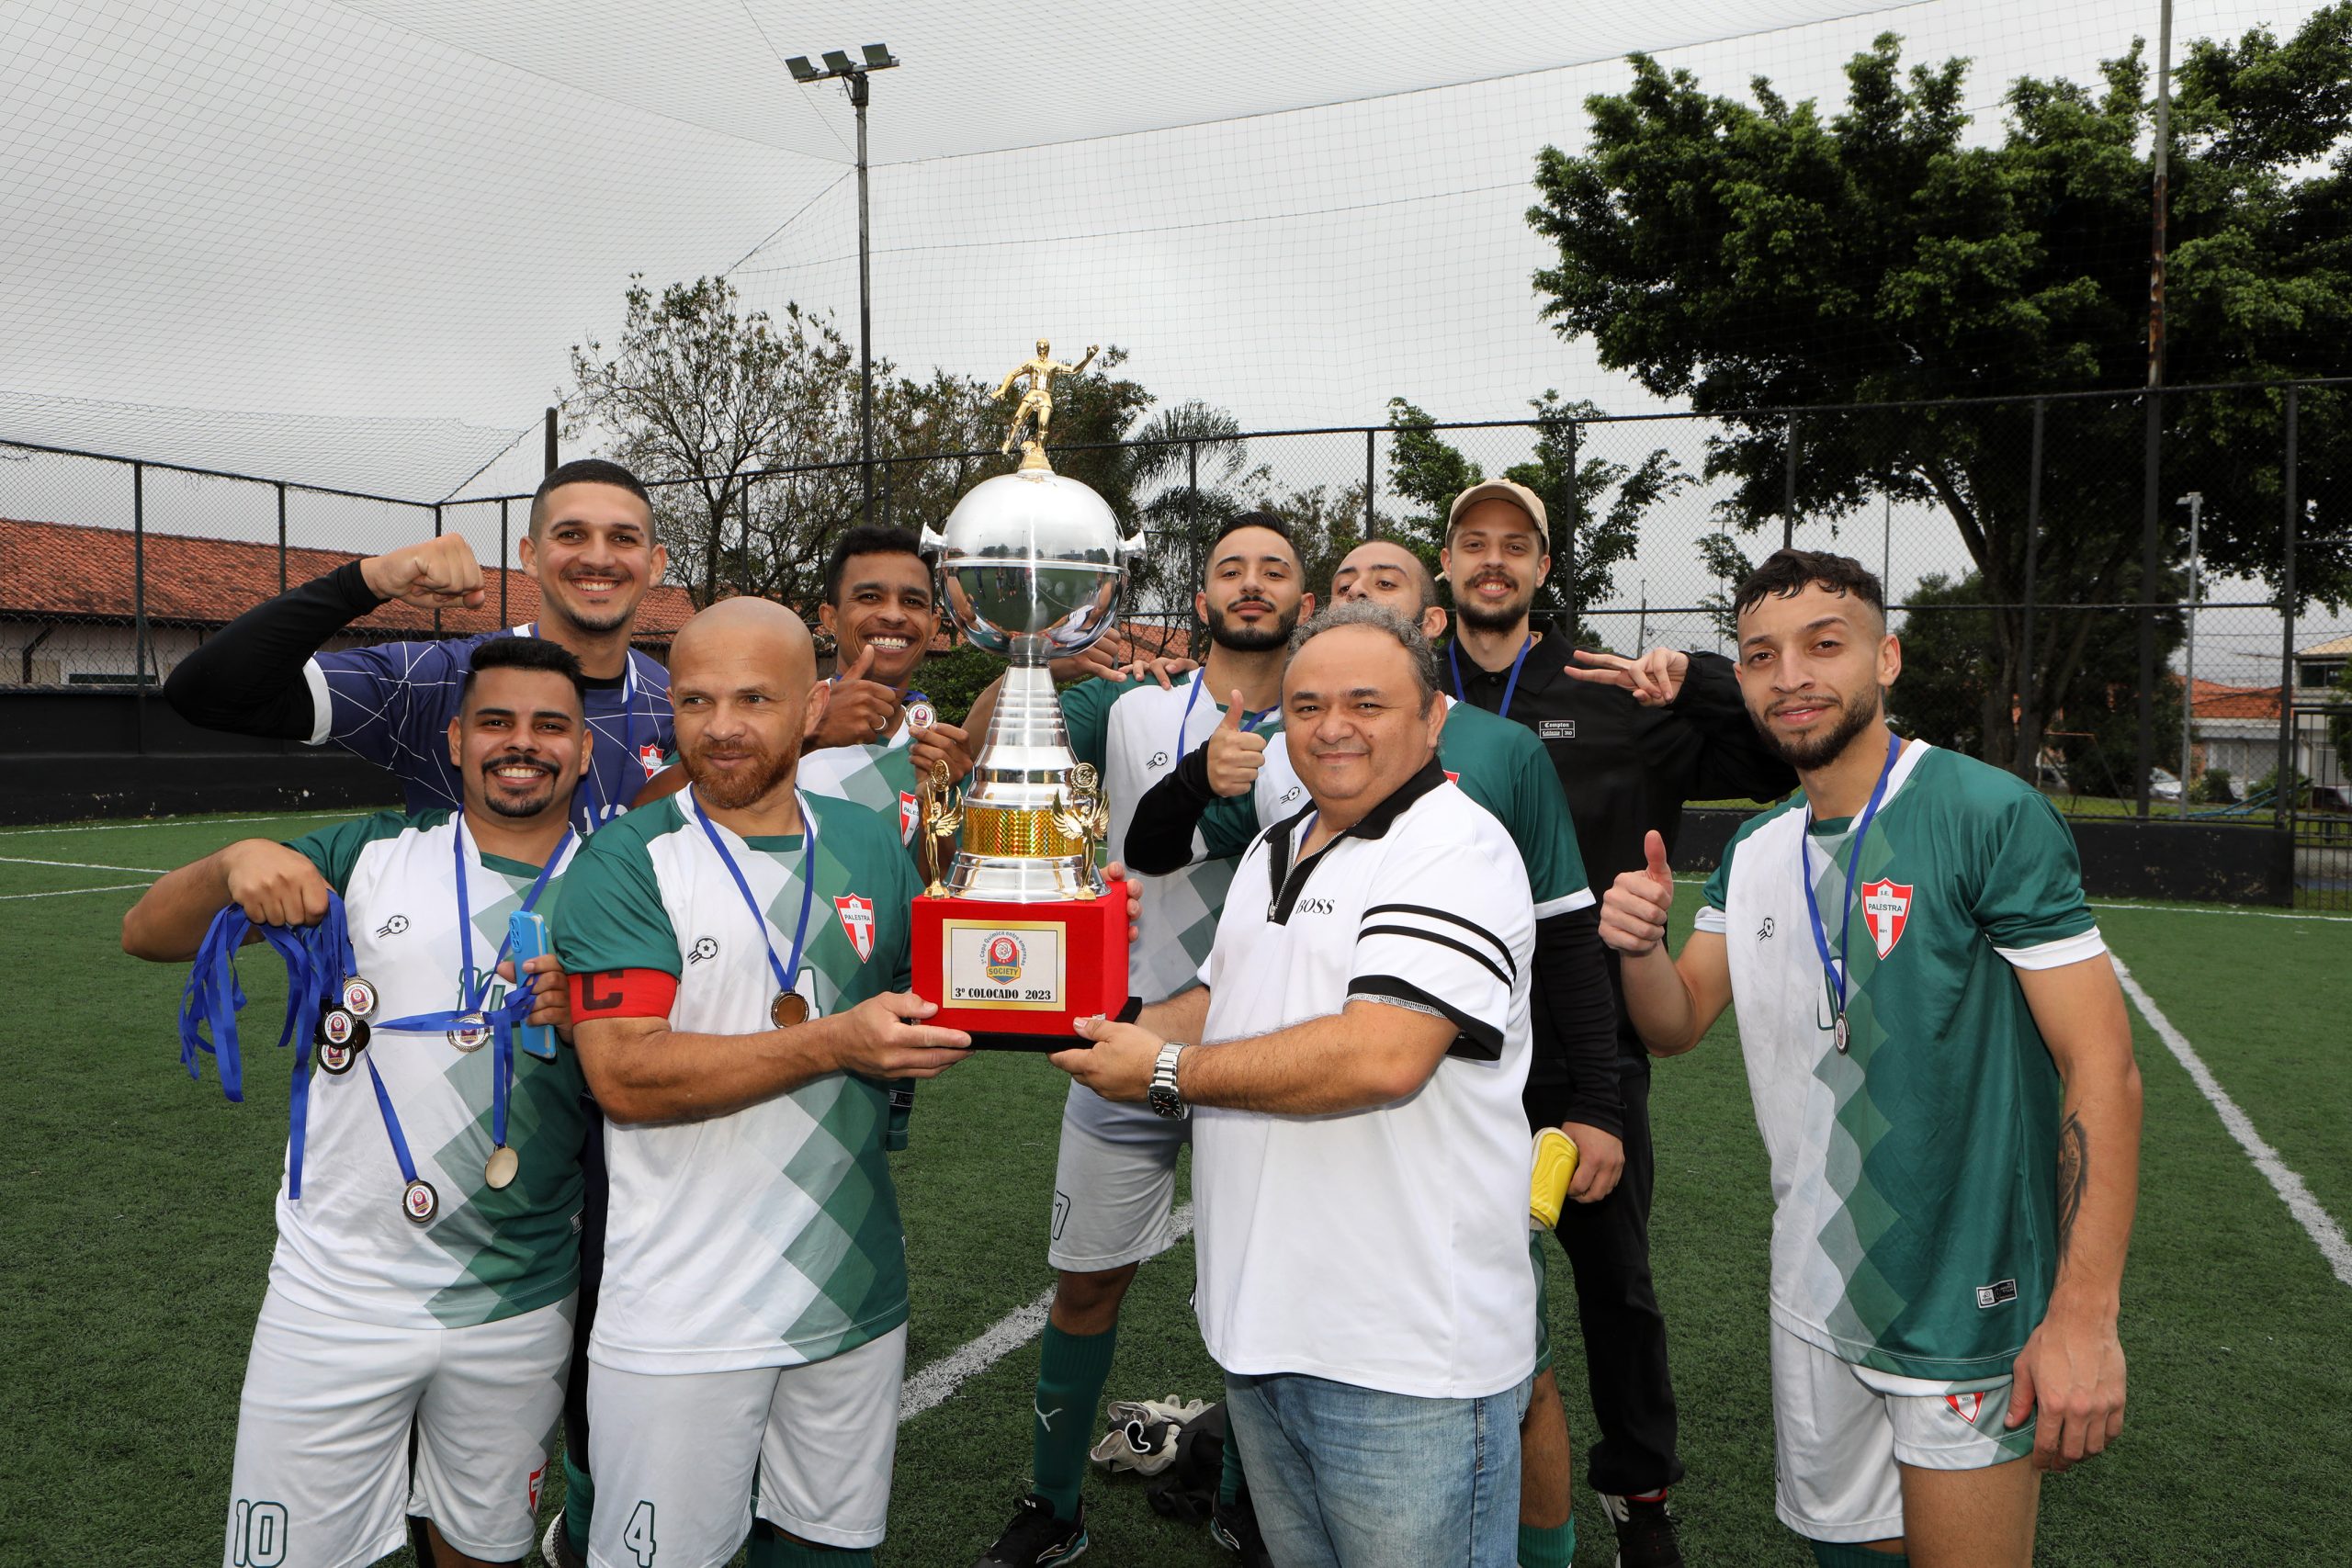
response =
{"points": [[851, 76]]}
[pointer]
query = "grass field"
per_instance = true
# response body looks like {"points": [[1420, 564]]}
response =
{"points": [[135, 1225]]}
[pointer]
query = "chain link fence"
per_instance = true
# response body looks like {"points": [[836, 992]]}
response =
{"points": [[2140, 602]]}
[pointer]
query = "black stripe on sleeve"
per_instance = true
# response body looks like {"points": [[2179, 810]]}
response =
{"points": [[1479, 1040], [1502, 949], [1463, 948]]}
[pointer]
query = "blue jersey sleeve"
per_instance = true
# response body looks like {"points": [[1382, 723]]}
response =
{"points": [[391, 703]]}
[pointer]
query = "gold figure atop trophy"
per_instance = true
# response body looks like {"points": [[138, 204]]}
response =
{"points": [[1038, 399], [940, 804]]}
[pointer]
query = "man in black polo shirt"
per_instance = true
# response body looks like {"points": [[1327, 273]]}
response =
{"points": [[1632, 738]]}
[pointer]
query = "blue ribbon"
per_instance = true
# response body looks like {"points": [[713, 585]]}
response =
{"points": [[784, 976], [1836, 970], [317, 959], [1453, 661], [1249, 721]]}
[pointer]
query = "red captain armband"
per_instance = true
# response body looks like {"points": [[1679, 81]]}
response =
{"points": [[622, 993]]}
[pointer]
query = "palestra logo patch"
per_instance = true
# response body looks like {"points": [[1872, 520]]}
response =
{"points": [[857, 923], [1886, 906], [910, 817]]}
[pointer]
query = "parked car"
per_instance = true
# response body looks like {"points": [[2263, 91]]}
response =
{"points": [[2331, 797], [2162, 785]]}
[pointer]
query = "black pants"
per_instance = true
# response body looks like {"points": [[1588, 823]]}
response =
{"points": [[595, 1190], [1608, 1245]]}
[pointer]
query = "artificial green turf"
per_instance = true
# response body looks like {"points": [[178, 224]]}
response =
{"points": [[134, 1217]]}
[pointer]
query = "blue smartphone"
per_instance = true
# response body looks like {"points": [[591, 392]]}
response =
{"points": [[527, 934]]}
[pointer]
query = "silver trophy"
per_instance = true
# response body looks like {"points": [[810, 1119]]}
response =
{"points": [[1030, 564]]}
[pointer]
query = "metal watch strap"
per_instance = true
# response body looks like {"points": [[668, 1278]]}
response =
{"points": [[1163, 1096]]}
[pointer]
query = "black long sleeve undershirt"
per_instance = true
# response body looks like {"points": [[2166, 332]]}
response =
{"points": [[247, 677], [1573, 1076]]}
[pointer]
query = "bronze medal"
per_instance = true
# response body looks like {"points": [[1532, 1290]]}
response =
{"points": [[359, 996], [503, 1165], [335, 1058], [471, 1032], [419, 1201], [336, 1027], [789, 1009]]}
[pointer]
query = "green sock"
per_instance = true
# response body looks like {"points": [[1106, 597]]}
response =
{"points": [[1071, 1370], [1230, 1480], [1849, 1554], [1552, 1547], [770, 1549], [579, 1502]]}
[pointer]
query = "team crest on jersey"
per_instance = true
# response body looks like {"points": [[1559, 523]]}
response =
{"points": [[1002, 956], [537, 1476], [1453, 777], [1886, 906], [1967, 1407], [857, 923], [909, 816], [649, 757]]}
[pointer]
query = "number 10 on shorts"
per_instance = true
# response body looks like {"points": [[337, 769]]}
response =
{"points": [[258, 1534]]}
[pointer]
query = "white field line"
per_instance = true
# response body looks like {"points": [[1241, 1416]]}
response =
{"points": [[69, 892], [2317, 1222], [79, 864], [937, 1383], [169, 822], [2230, 910]]}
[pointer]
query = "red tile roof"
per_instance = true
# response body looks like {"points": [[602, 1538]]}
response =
{"points": [[2214, 700], [59, 571]]}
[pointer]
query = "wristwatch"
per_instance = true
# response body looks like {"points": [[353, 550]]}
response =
{"points": [[1162, 1097]]}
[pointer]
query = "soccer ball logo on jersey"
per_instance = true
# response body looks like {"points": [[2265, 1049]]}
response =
{"points": [[909, 815], [1886, 906], [1002, 956], [857, 923]]}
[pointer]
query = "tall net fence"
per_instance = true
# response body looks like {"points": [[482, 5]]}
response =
{"points": [[2017, 570]]}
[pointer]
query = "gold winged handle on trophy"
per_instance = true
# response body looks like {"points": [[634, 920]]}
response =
{"points": [[1080, 812], [942, 806]]}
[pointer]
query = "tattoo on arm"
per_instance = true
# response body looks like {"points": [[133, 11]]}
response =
{"points": [[2073, 1176]]}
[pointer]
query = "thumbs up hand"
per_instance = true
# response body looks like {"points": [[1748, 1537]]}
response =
{"points": [[1634, 911], [1234, 754]]}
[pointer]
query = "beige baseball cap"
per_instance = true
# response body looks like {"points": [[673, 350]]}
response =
{"points": [[1518, 495]]}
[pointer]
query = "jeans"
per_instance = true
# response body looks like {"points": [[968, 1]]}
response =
{"points": [[1350, 1477]]}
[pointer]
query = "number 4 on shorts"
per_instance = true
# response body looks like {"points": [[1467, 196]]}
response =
{"points": [[638, 1536]]}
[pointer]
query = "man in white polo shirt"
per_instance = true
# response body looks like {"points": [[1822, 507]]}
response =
{"points": [[1360, 1160]]}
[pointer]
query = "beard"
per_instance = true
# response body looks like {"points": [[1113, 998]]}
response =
{"points": [[1244, 639], [611, 618], [1472, 611], [504, 805], [1807, 752], [743, 787]]}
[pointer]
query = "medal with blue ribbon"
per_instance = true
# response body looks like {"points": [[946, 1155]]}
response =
{"points": [[790, 1008], [469, 1026], [1835, 967]]}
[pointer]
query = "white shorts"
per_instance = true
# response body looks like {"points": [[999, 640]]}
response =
{"points": [[1840, 1430], [675, 1455], [1114, 1183], [322, 1478]]}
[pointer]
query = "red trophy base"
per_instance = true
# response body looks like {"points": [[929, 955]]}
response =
{"points": [[1015, 976]]}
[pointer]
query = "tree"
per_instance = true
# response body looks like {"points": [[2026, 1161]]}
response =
{"points": [[1753, 257], [1950, 693], [1592, 529]]}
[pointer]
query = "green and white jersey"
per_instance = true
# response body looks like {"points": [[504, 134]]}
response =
{"points": [[1498, 763], [1914, 1177], [1134, 732], [768, 1237], [880, 777], [347, 1248]]}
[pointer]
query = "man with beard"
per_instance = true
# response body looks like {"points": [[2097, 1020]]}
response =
{"points": [[1115, 1180], [412, 1346], [1572, 1076], [1632, 738], [592, 552], [1945, 1086], [741, 964]]}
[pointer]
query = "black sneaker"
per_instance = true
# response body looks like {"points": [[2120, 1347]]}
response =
{"points": [[1234, 1525], [1035, 1536], [1644, 1533]]}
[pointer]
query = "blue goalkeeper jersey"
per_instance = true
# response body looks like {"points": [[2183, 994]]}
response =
{"points": [[392, 703]]}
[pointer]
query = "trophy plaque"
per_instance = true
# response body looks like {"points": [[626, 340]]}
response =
{"points": [[1017, 936]]}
